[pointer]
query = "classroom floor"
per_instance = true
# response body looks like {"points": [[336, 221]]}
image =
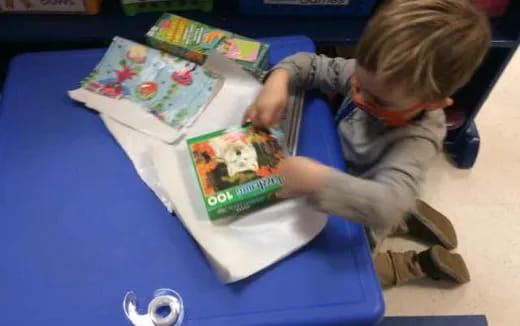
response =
{"points": [[484, 206]]}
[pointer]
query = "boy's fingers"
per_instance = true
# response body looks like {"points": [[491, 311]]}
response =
{"points": [[249, 115], [277, 117], [283, 194], [264, 117], [268, 118], [245, 118]]}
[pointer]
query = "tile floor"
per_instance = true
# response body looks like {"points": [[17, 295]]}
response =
{"points": [[484, 206]]}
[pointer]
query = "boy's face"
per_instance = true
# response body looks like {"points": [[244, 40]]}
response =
{"points": [[381, 94], [389, 101]]}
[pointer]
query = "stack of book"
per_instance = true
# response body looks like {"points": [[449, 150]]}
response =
{"points": [[291, 121]]}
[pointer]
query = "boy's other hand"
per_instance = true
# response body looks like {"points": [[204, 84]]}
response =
{"points": [[301, 176], [268, 106]]}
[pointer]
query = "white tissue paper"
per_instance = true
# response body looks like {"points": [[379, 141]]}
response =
{"points": [[257, 240]]}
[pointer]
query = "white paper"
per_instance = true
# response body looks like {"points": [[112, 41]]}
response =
{"points": [[249, 243]]}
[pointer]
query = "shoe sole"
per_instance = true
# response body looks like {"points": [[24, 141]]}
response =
{"points": [[440, 227], [451, 264]]}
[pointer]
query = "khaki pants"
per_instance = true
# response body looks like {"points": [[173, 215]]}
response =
{"points": [[395, 268]]}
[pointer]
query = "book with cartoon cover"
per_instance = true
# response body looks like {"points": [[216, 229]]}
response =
{"points": [[237, 169], [194, 40]]}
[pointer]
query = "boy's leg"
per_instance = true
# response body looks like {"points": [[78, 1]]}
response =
{"points": [[395, 268], [429, 225]]}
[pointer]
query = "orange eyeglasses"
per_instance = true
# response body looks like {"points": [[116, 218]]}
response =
{"points": [[390, 118]]}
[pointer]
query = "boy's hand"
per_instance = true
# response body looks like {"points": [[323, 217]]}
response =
{"points": [[268, 106], [302, 176]]}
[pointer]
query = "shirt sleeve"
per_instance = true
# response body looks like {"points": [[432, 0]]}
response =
{"points": [[312, 71], [381, 201]]}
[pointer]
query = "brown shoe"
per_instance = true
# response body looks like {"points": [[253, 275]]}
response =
{"points": [[395, 268], [430, 225], [440, 264]]}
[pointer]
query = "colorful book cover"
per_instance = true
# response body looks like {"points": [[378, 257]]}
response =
{"points": [[194, 41], [237, 169], [173, 89], [238, 49]]}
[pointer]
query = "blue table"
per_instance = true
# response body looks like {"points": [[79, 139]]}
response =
{"points": [[79, 228]]}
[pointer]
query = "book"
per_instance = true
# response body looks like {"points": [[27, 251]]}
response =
{"points": [[237, 169], [291, 120], [173, 89], [193, 41], [243, 50]]}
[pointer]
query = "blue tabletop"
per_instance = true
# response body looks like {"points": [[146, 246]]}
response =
{"points": [[78, 228]]}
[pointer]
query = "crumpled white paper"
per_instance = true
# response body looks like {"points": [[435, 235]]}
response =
{"points": [[245, 245]]}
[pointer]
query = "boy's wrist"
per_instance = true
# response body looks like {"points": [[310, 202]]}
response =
{"points": [[279, 77], [303, 176]]}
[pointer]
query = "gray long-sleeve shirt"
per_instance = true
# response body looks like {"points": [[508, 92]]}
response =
{"points": [[388, 164]]}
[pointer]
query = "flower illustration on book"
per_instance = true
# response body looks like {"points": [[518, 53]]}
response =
{"points": [[124, 74], [147, 90], [108, 87], [112, 90], [183, 76], [137, 53]]}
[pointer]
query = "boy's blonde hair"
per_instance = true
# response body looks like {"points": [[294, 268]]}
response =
{"points": [[429, 47]]}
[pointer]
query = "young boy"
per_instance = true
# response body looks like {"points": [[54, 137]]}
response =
{"points": [[411, 58]]}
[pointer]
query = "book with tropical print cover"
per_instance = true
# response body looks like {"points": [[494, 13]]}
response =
{"points": [[173, 89]]}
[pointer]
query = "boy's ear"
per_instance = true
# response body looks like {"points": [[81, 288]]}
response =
{"points": [[439, 104]]}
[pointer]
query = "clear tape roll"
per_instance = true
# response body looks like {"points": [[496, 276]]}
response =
{"points": [[163, 298]]}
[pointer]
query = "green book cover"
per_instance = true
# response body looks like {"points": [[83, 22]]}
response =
{"points": [[237, 169], [193, 41]]}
